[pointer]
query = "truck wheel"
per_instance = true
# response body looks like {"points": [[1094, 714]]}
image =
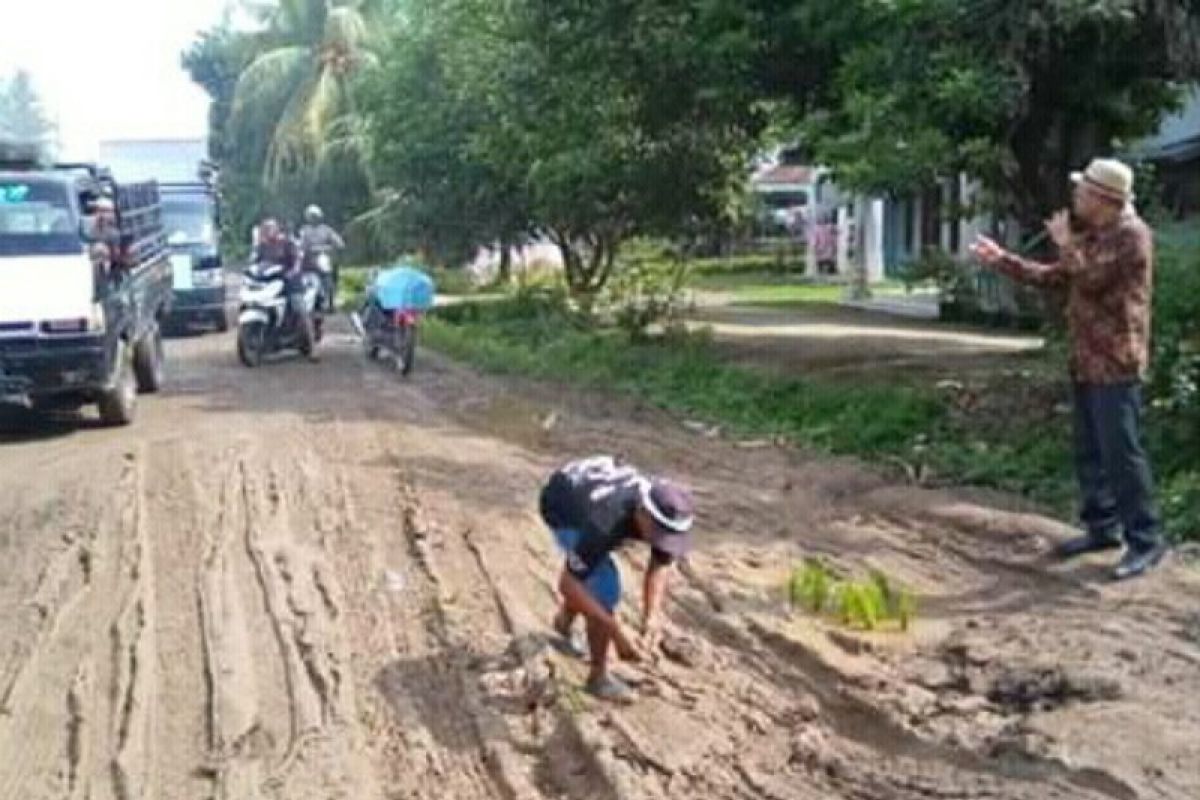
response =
{"points": [[148, 362], [119, 404], [222, 320]]}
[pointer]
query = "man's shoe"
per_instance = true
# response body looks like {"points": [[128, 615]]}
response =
{"points": [[1082, 545], [565, 640], [611, 689], [1136, 562]]}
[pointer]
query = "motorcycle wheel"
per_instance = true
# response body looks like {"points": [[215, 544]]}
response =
{"points": [[406, 349], [307, 340], [252, 343]]}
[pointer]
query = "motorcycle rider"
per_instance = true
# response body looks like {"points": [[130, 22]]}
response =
{"points": [[276, 247], [318, 238]]}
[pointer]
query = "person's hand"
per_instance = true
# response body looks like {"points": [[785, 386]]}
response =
{"points": [[1059, 228], [987, 251], [626, 650]]}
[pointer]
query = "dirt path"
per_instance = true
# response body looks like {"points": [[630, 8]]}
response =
{"points": [[833, 340], [318, 581]]}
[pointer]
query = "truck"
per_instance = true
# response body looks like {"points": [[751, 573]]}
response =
{"points": [[85, 285], [188, 184]]}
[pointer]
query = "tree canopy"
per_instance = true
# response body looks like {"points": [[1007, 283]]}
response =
{"points": [[23, 118], [1014, 93]]}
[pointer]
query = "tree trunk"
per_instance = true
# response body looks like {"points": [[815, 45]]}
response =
{"points": [[587, 264], [504, 275]]}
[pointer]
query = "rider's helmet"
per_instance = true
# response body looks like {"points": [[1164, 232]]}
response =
{"points": [[313, 215]]}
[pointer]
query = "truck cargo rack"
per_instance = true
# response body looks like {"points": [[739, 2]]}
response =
{"points": [[139, 218]]}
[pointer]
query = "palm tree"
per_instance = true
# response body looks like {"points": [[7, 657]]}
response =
{"points": [[289, 96]]}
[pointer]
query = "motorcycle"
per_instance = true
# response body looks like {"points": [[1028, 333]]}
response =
{"points": [[390, 333], [391, 312], [266, 321], [321, 261]]}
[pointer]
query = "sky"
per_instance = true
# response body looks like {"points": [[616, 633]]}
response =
{"points": [[109, 69]]}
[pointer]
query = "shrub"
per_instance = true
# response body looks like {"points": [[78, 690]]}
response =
{"points": [[647, 290]]}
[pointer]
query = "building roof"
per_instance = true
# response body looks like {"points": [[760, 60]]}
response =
{"points": [[784, 175]]}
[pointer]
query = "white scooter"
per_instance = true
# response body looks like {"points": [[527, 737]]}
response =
{"points": [[266, 322], [322, 260]]}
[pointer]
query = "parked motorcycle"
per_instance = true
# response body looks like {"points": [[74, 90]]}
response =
{"points": [[266, 321]]}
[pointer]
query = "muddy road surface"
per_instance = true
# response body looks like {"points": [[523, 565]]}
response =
{"points": [[323, 581]]}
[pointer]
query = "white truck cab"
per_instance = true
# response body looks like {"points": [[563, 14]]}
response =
{"points": [[81, 294]]}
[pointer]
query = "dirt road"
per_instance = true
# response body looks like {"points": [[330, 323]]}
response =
{"points": [[320, 581], [834, 341]]}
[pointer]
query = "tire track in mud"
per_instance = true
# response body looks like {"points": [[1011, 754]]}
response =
{"points": [[426, 740], [236, 749], [59, 584], [81, 706], [317, 757], [135, 655]]}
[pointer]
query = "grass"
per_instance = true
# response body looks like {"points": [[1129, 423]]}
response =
{"points": [[761, 289], [776, 290]]}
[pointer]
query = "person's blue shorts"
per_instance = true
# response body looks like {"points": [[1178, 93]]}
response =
{"points": [[604, 583]]}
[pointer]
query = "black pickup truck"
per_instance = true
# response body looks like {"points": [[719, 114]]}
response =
{"points": [[191, 217], [85, 283]]}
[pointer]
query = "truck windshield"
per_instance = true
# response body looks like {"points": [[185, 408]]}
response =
{"points": [[37, 218], [188, 221]]}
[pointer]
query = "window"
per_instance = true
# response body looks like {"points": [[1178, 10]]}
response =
{"points": [[37, 218], [188, 221]]}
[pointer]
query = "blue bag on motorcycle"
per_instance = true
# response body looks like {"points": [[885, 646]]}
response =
{"points": [[403, 289]]}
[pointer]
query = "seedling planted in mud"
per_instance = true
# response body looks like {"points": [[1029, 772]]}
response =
{"points": [[857, 603], [810, 586]]}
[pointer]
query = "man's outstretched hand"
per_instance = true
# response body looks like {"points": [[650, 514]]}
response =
{"points": [[987, 251]]}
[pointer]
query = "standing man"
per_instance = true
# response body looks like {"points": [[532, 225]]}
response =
{"points": [[1106, 263], [595, 506]]}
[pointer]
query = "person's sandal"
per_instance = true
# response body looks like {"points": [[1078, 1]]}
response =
{"points": [[611, 689], [567, 642]]}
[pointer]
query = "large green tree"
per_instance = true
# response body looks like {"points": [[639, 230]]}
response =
{"points": [[287, 98], [429, 109], [23, 118], [215, 61], [280, 106], [588, 122]]}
